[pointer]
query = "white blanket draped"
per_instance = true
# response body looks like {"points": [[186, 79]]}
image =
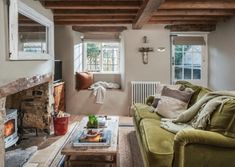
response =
{"points": [[99, 90]]}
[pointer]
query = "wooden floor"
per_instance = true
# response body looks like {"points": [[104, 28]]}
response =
{"points": [[49, 155]]}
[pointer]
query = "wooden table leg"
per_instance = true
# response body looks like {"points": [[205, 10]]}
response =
{"points": [[66, 163], [115, 160]]}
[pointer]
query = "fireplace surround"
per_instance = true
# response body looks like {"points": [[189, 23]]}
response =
{"points": [[8, 88]]}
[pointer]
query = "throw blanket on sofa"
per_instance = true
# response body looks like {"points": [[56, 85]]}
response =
{"points": [[99, 90], [198, 115]]}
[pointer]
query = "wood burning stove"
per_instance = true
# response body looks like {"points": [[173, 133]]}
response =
{"points": [[10, 128]]}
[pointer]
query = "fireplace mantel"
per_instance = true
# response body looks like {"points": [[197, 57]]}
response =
{"points": [[11, 87]]}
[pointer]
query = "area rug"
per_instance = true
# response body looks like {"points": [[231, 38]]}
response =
{"points": [[129, 150], [18, 157]]}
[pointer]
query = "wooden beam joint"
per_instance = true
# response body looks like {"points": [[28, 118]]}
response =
{"points": [[145, 13]]}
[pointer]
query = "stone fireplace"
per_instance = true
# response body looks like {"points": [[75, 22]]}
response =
{"points": [[32, 98], [32, 106]]}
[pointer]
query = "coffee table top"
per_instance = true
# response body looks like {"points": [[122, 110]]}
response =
{"points": [[112, 124]]}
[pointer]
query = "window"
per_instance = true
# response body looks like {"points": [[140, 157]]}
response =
{"points": [[102, 57], [188, 63], [189, 59]]}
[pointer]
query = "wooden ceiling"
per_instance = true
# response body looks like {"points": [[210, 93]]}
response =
{"points": [[198, 14]]}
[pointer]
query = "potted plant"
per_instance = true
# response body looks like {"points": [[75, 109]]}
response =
{"points": [[92, 121]]}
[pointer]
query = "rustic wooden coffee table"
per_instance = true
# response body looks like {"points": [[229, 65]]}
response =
{"points": [[93, 155]]}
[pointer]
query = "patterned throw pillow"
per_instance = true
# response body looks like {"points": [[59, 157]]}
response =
{"points": [[173, 102]]}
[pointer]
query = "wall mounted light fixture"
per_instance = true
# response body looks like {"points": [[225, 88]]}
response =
{"points": [[145, 50], [161, 49]]}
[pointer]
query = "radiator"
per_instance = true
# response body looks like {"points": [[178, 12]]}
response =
{"points": [[140, 90]]}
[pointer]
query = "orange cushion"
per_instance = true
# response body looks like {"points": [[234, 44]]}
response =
{"points": [[83, 80]]}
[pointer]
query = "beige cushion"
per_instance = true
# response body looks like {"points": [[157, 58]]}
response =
{"points": [[159, 89], [173, 102], [160, 86]]}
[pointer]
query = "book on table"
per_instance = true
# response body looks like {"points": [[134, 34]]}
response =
{"points": [[102, 138]]}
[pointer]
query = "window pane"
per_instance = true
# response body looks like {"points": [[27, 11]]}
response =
{"points": [[187, 73], [187, 48], [93, 56], [178, 48], [110, 57], [178, 58], [178, 72], [197, 48], [196, 73], [197, 59], [188, 59]]}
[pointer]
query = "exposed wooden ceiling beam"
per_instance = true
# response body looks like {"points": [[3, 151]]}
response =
{"points": [[99, 28], [93, 17], [84, 4], [95, 14], [173, 22], [140, 1], [198, 12], [191, 27], [188, 18], [91, 22], [182, 4], [95, 20], [73, 12], [90, 18], [145, 12]]}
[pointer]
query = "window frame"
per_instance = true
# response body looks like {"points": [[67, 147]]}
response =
{"points": [[204, 64], [101, 58]]}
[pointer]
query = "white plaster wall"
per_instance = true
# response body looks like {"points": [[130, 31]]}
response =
{"points": [[222, 56], [116, 102], [10, 70]]}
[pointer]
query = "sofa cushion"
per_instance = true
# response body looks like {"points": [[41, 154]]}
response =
{"points": [[173, 102], [141, 111], [203, 92], [195, 88], [149, 100], [224, 121], [157, 143]]}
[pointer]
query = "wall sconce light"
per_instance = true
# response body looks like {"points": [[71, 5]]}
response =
{"points": [[161, 49], [145, 50]]}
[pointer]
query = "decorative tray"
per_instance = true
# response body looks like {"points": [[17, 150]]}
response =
{"points": [[99, 138]]}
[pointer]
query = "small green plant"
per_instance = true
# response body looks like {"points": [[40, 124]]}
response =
{"points": [[92, 121]]}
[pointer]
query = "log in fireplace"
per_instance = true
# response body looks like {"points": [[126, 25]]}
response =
{"points": [[10, 128]]}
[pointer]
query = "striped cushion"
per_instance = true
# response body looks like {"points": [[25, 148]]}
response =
{"points": [[173, 102]]}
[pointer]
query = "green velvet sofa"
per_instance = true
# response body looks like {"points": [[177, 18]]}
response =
{"points": [[187, 148]]}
